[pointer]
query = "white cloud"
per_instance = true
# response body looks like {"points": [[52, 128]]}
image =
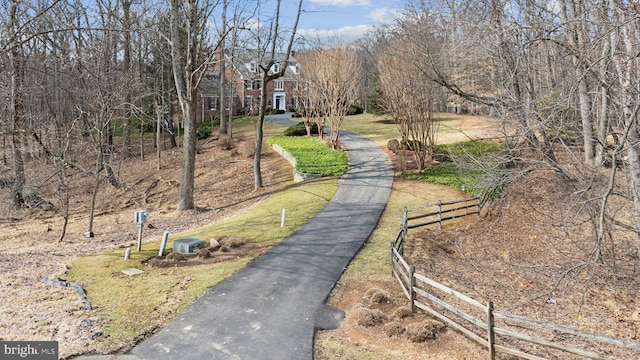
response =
{"points": [[384, 15], [342, 2], [343, 35]]}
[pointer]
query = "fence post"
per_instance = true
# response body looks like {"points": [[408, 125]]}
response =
{"points": [[479, 207], [491, 335], [439, 214], [393, 264], [412, 271], [405, 215]]}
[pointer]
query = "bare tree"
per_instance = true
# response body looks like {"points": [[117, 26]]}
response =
{"points": [[267, 74], [408, 97], [337, 78], [190, 60]]}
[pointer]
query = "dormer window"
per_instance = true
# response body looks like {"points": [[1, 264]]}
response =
{"points": [[253, 67], [275, 68]]}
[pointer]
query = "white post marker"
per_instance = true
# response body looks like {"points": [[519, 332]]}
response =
{"points": [[282, 219], [163, 244], [127, 253]]}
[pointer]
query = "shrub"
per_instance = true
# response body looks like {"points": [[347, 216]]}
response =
{"points": [[414, 145], [368, 317], [393, 329], [299, 130], [427, 330], [203, 130], [355, 109], [402, 312], [377, 296], [393, 145]]}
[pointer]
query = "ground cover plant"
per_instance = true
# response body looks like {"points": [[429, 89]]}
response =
{"points": [[312, 155], [467, 166]]}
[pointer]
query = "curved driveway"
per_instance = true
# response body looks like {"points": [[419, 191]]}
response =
{"points": [[272, 307]]}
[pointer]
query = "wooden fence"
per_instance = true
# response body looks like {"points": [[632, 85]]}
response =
{"points": [[482, 322], [440, 212]]}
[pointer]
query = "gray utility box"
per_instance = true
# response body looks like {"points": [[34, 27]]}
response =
{"points": [[188, 245]]}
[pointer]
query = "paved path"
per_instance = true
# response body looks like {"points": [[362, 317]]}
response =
{"points": [[272, 307]]}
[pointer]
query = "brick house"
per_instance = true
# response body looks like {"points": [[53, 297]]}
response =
{"points": [[242, 73]]}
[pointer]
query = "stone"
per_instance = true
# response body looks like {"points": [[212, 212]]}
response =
{"points": [[214, 244], [132, 271]]}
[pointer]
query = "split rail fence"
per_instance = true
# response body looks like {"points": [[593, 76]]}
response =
{"points": [[482, 322]]}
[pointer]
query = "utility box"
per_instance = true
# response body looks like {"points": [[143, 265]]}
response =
{"points": [[140, 216], [188, 245]]}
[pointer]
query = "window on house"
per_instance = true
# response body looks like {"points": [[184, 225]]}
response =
{"points": [[253, 67], [249, 84], [213, 103], [275, 68], [295, 85], [258, 84], [278, 85]]}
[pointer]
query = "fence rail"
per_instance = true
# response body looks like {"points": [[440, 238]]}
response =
{"points": [[429, 296], [445, 211]]}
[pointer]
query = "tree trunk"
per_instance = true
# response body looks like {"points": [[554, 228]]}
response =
{"points": [[18, 113], [189, 160], [223, 65], [126, 70], [257, 174]]}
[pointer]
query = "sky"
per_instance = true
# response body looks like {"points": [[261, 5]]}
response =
{"points": [[345, 20]]}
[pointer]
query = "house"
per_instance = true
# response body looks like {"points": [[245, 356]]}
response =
{"points": [[242, 72]]}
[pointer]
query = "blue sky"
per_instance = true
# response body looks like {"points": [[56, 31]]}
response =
{"points": [[344, 19]]}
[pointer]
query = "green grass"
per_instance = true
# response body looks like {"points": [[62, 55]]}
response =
{"points": [[137, 305], [381, 129], [376, 128], [451, 175], [473, 165], [312, 156]]}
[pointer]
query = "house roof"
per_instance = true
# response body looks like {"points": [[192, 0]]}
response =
{"points": [[210, 84], [246, 61]]}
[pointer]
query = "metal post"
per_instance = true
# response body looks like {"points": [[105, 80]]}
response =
{"points": [[140, 236]]}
